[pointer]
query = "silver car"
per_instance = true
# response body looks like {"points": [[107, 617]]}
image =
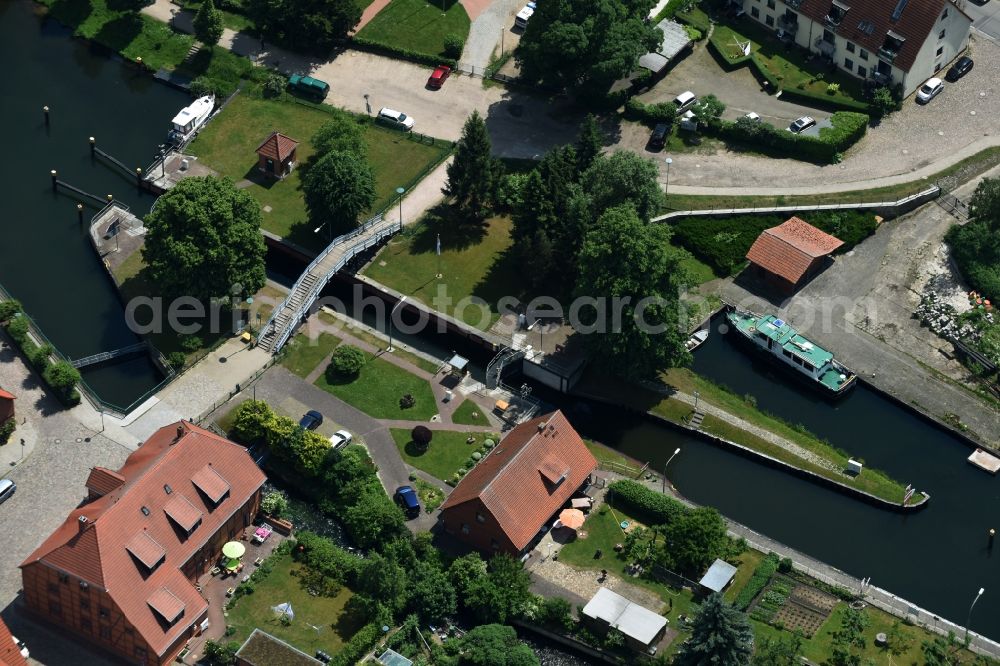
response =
{"points": [[930, 90], [802, 124]]}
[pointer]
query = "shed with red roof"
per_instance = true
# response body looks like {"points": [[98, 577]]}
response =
{"points": [[789, 254]]}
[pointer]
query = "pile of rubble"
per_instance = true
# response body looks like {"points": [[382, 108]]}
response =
{"points": [[943, 319]]}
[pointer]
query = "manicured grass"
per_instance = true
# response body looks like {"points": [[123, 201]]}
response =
{"points": [[698, 270], [447, 452], [229, 143], [748, 561], [476, 264], [469, 413], [431, 497], [377, 390], [870, 480], [375, 341], [418, 25], [612, 458], [281, 585], [302, 354]]}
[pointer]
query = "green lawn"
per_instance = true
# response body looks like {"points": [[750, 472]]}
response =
{"points": [[418, 25], [447, 452], [609, 456], [378, 388], [431, 497], [365, 335], [469, 413], [229, 142], [332, 627], [476, 264], [303, 354]]}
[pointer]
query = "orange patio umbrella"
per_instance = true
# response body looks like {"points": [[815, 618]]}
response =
{"points": [[572, 518]]}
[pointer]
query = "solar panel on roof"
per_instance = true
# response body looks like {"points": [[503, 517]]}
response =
{"points": [[778, 323], [898, 11]]}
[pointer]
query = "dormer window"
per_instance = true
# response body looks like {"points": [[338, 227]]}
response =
{"points": [[892, 45], [837, 12]]}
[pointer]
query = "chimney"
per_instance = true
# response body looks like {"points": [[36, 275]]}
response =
{"points": [[82, 523], [541, 427], [180, 432]]}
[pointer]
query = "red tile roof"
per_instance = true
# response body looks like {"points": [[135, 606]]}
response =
{"points": [[7, 396], [182, 512], [211, 483], [915, 23], [166, 603], [10, 654], [278, 147], [102, 481], [519, 481], [133, 518], [789, 249]]}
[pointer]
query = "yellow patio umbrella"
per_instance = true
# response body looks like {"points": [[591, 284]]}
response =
{"points": [[234, 550]]}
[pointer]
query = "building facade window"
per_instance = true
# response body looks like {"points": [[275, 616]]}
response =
{"points": [[480, 517], [863, 54], [139, 652], [945, 15], [105, 632], [85, 605], [103, 611], [940, 50], [495, 544], [53, 588], [862, 72], [770, 4], [465, 528], [850, 47], [942, 33], [848, 64], [754, 12], [769, 20]]}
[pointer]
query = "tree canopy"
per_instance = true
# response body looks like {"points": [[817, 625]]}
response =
{"points": [[208, 23], [340, 133], [622, 177], [338, 189], [976, 245], [311, 26], [473, 172], [494, 645], [693, 540], [631, 268], [204, 239], [585, 44], [720, 635]]}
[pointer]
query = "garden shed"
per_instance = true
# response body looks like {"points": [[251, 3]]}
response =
{"points": [[718, 576], [641, 627], [276, 155], [788, 255]]}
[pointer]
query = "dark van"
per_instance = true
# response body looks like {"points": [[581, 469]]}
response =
{"points": [[659, 136], [406, 498], [306, 86]]}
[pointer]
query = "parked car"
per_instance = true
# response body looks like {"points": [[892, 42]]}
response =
{"points": [[438, 77], [802, 124], [309, 87], [930, 90], [311, 420], [340, 439], [685, 100], [522, 17], [659, 136], [753, 116], [959, 69], [7, 488], [396, 119], [406, 498]]}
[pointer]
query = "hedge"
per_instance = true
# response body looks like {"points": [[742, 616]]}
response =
{"points": [[360, 644], [17, 327], [648, 505], [848, 128], [758, 581], [418, 57], [723, 242], [663, 112]]}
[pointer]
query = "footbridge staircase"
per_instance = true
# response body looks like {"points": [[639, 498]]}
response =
{"points": [[287, 316]]}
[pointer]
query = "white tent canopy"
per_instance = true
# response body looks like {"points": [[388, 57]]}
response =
{"points": [[284, 610]]}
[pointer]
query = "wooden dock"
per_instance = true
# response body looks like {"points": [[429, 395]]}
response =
{"points": [[985, 461]]}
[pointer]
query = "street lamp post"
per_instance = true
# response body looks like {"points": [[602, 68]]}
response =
{"points": [[663, 488], [502, 31], [399, 193], [391, 313], [249, 321], [696, 396], [968, 620], [666, 189], [368, 105]]}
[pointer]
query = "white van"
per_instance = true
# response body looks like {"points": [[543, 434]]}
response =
{"points": [[521, 20], [685, 101]]}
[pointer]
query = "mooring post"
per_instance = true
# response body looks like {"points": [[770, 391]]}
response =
{"points": [[993, 533], [138, 61], [45, 111], [93, 147], [54, 180], [79, 213], [138, 178], [111, 198]]}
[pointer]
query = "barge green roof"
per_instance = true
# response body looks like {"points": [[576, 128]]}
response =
{"points": [[786, 336]]}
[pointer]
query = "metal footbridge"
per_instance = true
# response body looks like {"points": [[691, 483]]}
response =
{"points": [[287, 316], [131, 350]]}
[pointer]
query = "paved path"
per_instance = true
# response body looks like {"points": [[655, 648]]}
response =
{"points": [[494, 18]]}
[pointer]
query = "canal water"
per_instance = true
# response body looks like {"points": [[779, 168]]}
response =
{"points": [[46, 259]]}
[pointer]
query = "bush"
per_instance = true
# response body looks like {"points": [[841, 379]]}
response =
{"points": [[453, 45], [758, 581], [884, 102], [848, 128], [176, 360], [359, 645], [648, 505], [8, 309], [421, 436], [190, 343], [785, 565], [62, 377], [39, 356], [407, 401], [17, 328], [346, 362], [7, 429], [832, 88], [663, 112], [274, 85], [274, 503], [372, 46], [252, 422]]}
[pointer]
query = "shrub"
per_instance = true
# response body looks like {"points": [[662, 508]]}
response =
{"points": [[372, 46], [883, 102], [453, 45], [176, 360], [758, 581], [274, 85], [18, 329], [694, 34], [346, 362], [190, 343], [663, 112], [785, 565], [848, 128], [359, 645], [62, 377], [407, 401], [832, 88], [421, 436], [7, 429], [274, 503], [653, 507], [9, 308], [39, 356], [252, 421]]}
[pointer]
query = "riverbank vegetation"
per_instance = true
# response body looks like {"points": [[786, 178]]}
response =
{"points": [[59, 374], [976, 244], [229, 142]]}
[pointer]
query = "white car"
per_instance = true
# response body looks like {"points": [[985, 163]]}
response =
{"points": [[523, 16], [685, 100], [340, 439], [21, 646], [398, 119], [929, 90], [802, 124], [753, 116]]}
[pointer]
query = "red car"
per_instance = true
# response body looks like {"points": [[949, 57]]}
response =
{"points": [[438, 77]]}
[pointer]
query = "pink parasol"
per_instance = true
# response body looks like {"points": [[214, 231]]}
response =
{"points": [[572, 518]]}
